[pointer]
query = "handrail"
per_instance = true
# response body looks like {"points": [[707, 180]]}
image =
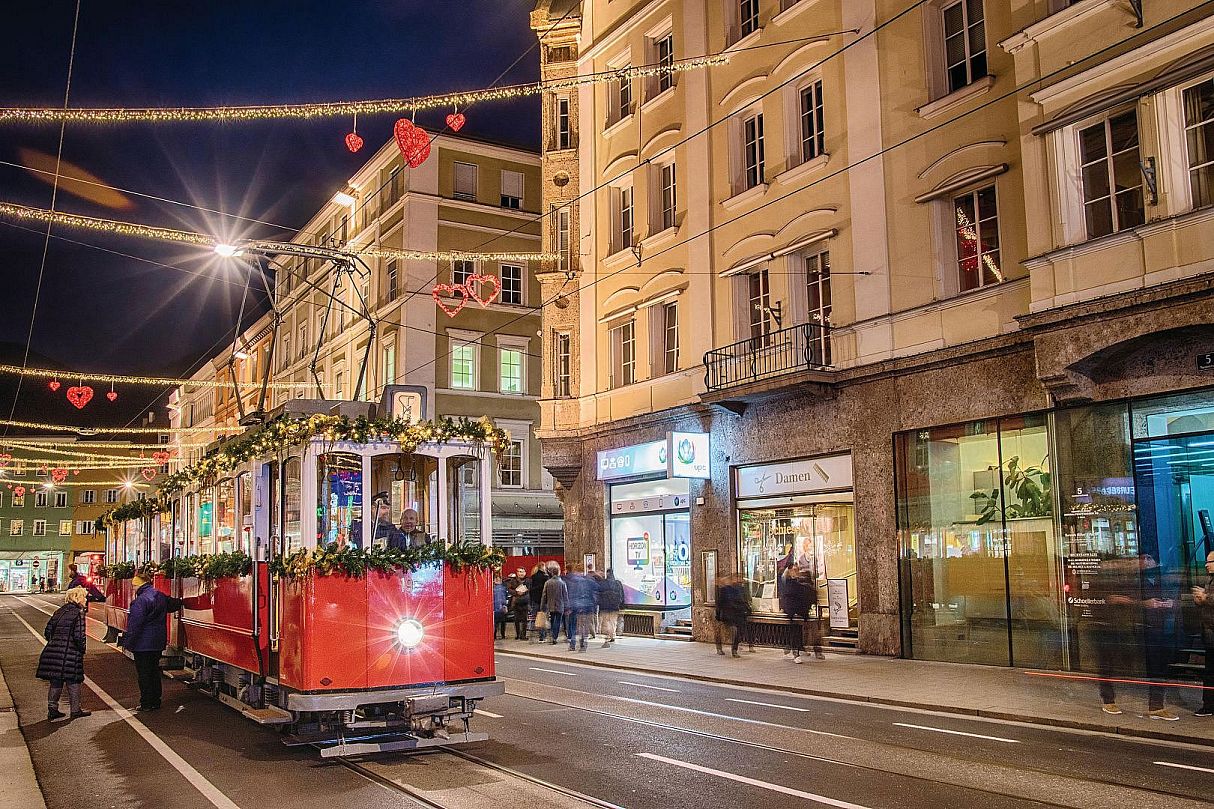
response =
{"points": [[805, 346]]}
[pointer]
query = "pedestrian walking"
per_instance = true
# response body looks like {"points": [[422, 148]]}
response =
{"points": [[579, 609], [609, 596], [535, 588], [554, 601], [733, 612], [520, 607], [1158, 620], [146, 636], [1204, 597], [62, 660], [501, 600], [794, 600], [75, 579]]}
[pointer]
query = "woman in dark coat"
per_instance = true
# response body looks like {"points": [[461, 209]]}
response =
{"points": [[62, 660]]}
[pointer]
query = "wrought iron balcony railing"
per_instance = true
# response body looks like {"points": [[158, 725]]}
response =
{"points": [[803, 347]]}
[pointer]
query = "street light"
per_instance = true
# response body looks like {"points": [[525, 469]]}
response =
{"points": [[345, 200], [228, 250]]}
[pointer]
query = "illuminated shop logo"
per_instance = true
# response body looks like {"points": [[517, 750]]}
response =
{"points": [[686, 452]]}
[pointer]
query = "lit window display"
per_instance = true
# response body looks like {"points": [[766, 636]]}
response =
{"points": [[819, 537], [651, 543]]}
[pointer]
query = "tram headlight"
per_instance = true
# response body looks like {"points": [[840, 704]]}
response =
{"points": [[409, 633]]}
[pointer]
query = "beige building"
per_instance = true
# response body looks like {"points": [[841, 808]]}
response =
{"points": [[922, 284]]}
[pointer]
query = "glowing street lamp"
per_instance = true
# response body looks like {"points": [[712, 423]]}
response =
{"points": [[228, 250]]}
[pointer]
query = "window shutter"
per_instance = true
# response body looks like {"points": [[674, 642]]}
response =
{"points": [[465, 179], [512, 184]]}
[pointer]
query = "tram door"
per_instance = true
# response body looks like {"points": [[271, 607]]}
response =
{"points": [[269, 544]]}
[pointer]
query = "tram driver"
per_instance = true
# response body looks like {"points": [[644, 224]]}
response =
{"points": [[411, 535], [384, 529]]}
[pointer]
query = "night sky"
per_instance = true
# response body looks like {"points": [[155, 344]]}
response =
{"points": [[103, 312]]}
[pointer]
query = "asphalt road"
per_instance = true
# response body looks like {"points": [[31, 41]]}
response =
{"points": [[618, 738]]}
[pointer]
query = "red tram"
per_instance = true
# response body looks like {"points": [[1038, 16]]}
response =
{"points": [[394, 660]]}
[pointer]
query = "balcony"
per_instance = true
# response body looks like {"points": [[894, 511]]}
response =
{"points": [[800, 348]]}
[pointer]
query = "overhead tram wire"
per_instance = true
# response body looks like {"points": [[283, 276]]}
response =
{"points": [[880, 153]]}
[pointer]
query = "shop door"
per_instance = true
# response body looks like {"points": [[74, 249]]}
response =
{"points": [[18, 579]]}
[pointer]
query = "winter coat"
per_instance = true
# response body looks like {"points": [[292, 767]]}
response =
{"points": [[536, 585], [581, 593], [520, 604], [556, 595], [63, 657], [796, 598], [94, 594], [609, 594], [145, 626], [733, 606], [500, 598]]}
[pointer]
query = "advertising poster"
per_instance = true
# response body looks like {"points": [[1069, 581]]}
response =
{"points": [[637, 543]]}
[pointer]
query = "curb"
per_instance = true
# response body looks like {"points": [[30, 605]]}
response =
{"points": [[1072, 724]]}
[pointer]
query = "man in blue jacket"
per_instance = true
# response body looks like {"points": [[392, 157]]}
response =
{"points": [[146, 636]]}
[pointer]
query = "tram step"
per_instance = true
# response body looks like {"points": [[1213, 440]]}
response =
{"points": [[270, 715]]}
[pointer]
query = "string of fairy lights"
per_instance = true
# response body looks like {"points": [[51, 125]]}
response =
{"points": [[331, 109], [158, 381]]}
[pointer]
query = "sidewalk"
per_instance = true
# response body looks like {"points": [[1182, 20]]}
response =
{"points": [[19, 786], [1046, 698]]}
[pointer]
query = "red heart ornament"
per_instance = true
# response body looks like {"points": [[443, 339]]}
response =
{"points": [[455, 121], [58, 475], [453, 290], [413, 142], [53, 385], [148, 472], [475, 286], [354, 141], [75, 472], [19, 491], [112, 396], [80, 396], [161, 457], [4, 459]]}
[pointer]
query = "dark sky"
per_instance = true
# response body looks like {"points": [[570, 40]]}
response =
{"points": [[103, 312]]}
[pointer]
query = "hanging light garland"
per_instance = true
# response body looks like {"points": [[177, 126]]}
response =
{"points": [[40, 444], [66, 428], [156, 381], [343, 108]]}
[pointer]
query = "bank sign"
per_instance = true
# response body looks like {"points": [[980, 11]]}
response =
{"points": [[681, 455], [830, 473]]}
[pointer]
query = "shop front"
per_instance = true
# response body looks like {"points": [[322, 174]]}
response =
{"points": [[1067, 539], [799, 513], [31, 571]]}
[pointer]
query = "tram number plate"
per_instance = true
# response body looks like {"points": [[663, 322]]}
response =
{"points": [[1205, 362]]}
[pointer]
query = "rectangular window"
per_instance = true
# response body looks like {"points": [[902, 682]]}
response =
{"points": [[463, 367], [1112, 177], [510, 470], [623, 354], [813, 130], [85, 527], [564, 131], [670, 337], [817, 289], [563, 244], [285, 360], [623, 96], [977, 239], [345, 227], [39, 528], [512, 189], [1199, 135], [562, 364], [667, 196], [18, 501], [60, 499], [16, 527], [964, 43], [389, 369], [510, 370], [303, 339], [512, 284], [339, 380], [461, 269], [111, 496], [464, 182], [396, 186], [752, 150], [664, 51], [748, 17], [393, 282], [65, 528], [623, 219], [759, 288], [40, 498]]}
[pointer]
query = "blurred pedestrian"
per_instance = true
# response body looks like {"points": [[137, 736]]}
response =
{"points": [[75, 579], [520, 607], [1158, 619], [579, 610], [1204, 597], [1107, 625], [501, 599], [794, 600], [535, 587], [609, 596], [62, 660], [733, 612], [554, 601], [146, 636]]}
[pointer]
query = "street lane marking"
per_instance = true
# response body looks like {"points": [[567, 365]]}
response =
{"points": [[742, 779], [957, 733], [196, 779], [769, 705], [1183, 766], [483, 712], [643, 685], [554, 671]]}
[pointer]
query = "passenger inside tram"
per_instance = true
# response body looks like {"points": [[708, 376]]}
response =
{"points": [[409, 485]]}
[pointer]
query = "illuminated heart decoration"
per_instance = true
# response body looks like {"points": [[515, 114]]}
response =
{"points": [[4, 459], [58, 475], [456, 121], [354, 142], [112, 396], [75, 472], [161, 457], [54, 385], [454, 291], [413, 142], [148, 472], [80, 396], [476, 284], [19, 491]]}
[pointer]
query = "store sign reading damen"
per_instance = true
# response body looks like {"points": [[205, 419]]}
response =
{"points": [[830, 473], [681, 455]]}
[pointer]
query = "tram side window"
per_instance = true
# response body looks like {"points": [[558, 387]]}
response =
{"points": [[225, 515], [411, 484], [464, 496], [339, 490], [244, 493], [292, 530], [178, 530], [206, 517]]}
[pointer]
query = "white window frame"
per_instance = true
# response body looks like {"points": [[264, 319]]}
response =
{"points": [[111, 496], [68, 532], [980, 226], [517, 345], [562, 364], [464, 194], [621, 103], [564, 238], [522, 283], [665, 206], [1069, 167], [461, 269], [511, 201], [742, 166], [16, 528], [41, 498], [18, 501], [520, 433], [564, 124], [85, 527], [659, 50], [388, 362], [623, 217], [1173, 169], [664, 337], [817, 117], [60, 499], [621, 341], [460, 339], [969, 55], [39, 528]]}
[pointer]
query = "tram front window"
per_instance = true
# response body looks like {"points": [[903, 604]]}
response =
{"points": [[464, 494], [339, 490], [225, 515], [293, 495], [409, 484]]}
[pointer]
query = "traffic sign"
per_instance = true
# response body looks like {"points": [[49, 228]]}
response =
{"points": [[36, 563]]}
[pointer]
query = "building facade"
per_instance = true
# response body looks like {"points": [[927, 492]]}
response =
{"points": [[932, 294]]}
